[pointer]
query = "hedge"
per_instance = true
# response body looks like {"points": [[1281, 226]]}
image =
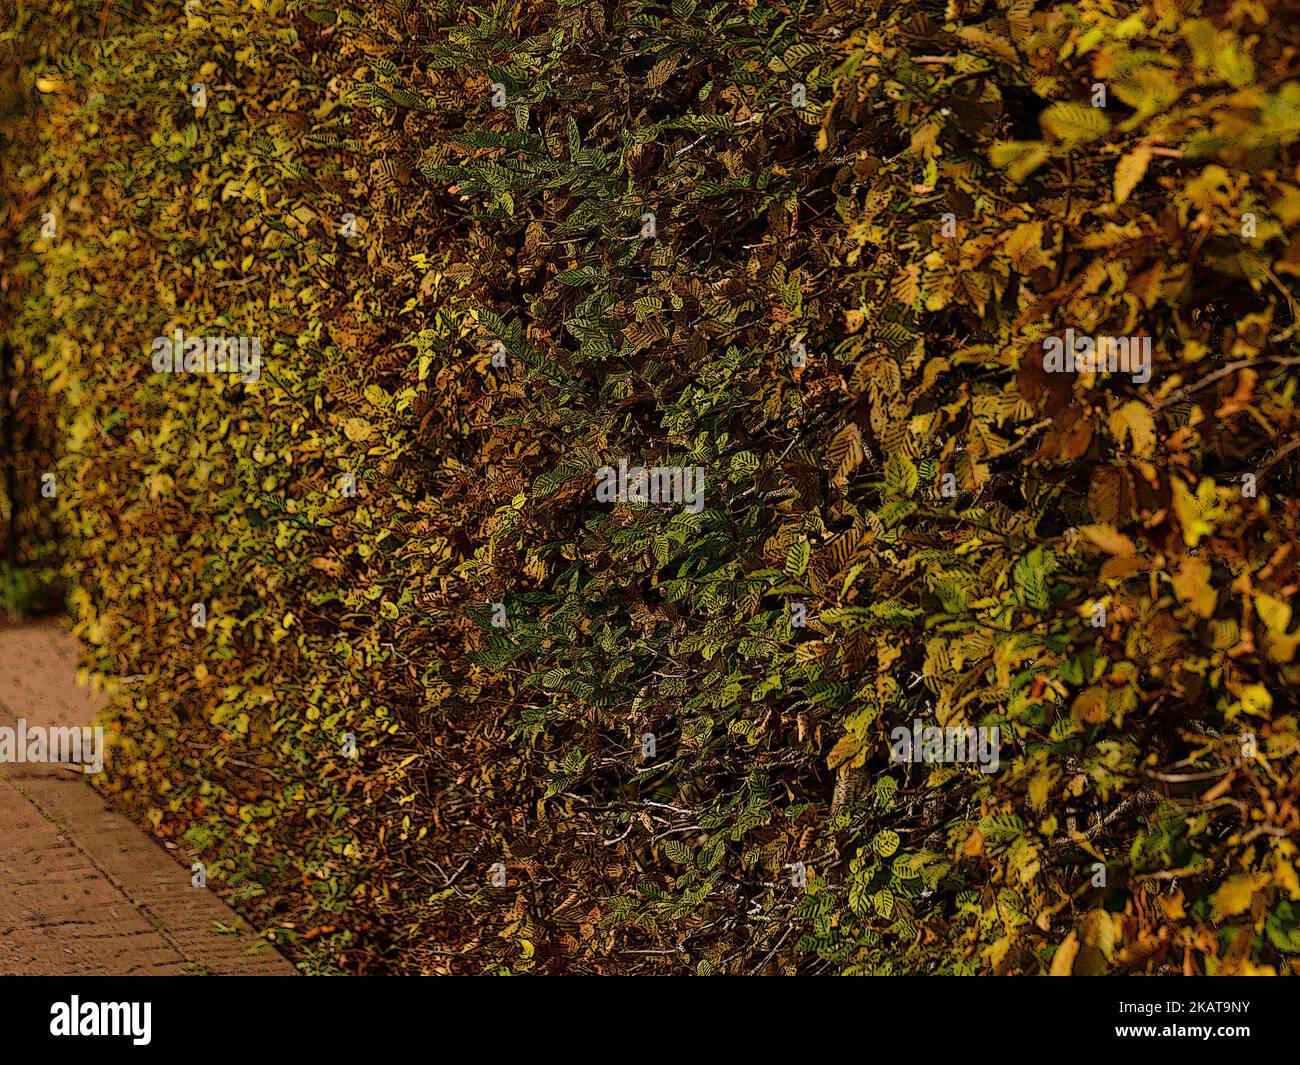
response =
{"points": [[29, 563], [476, 717]]}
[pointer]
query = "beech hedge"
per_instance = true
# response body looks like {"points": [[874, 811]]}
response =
{"points": [[952, 631]]}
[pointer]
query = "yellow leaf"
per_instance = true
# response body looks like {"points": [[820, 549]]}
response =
{"points": [[1256, 699], [1098, 930], [1276, 616], [1063, 959], [1134, 420], [1039, 787], [1274, 613], [1192, 586], [846, 751], [1109, 539], [1191, 513], [357, 429], [1090, 706], [1075, 123], [1018, 158], [1130, 171], [1146, 89], [1235, 894], [1285, 877], [1024, 247]]}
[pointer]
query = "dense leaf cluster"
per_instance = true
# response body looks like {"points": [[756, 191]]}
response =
{"points": [[819, 251]]}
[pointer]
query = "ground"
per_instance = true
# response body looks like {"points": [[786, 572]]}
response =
{"points": [[83, 891]]}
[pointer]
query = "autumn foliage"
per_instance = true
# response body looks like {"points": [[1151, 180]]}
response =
{"points": [[865, 221]]}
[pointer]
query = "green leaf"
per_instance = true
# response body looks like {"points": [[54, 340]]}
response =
{"points": [[885, 842], [796, 559]]}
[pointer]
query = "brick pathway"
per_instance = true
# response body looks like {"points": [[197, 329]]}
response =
{"points": [[83, 891]]}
